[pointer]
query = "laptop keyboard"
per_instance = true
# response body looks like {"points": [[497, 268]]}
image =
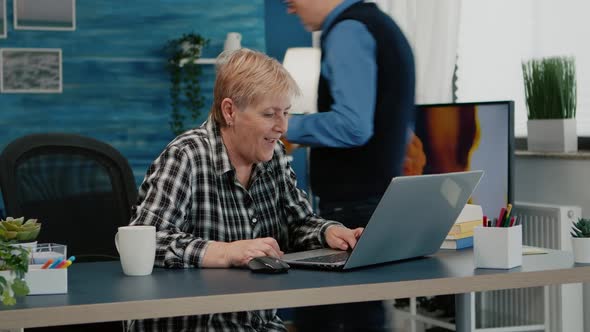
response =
{"points": [[332, 258]]}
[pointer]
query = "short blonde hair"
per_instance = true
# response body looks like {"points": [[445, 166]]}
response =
{"points": [[246, 77]]}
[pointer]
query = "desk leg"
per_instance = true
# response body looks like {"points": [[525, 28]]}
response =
{"points": [[413, 312], [586, 304], [464, 312]]}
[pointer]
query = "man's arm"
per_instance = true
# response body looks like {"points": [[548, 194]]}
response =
{"points": [[349, 62]]}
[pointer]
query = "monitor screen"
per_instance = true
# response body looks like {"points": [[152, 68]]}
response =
{"points": [[471, 136]]}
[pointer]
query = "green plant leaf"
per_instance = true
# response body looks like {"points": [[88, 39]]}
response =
{"points": [[34, 234], [11, 226], [581, 228], [9, 235], [19, 287], [3, 283], [550, 87], [18, 221], [14, 259], [185, 98], [30, 222], [24, 236], [8, 299]]}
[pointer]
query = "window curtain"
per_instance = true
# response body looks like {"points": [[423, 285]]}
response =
{"points": [[432, 27]]}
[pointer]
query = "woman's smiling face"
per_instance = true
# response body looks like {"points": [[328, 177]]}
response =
{"points": [[255, 130]]}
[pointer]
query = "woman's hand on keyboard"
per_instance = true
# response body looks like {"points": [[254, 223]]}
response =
{"points": [[340, 237]]}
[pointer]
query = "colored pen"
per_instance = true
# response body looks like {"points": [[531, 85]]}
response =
{"points": [[511, 222], [65, 264], [56, 263], [49, 261], [501, 217], [60, 265], [485, 221], [507, 218]]}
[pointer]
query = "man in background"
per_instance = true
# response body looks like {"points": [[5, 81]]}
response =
{"points": [[358, 137]]}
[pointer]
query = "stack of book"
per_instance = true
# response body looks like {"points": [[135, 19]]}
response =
{"points": [[461, 234]]}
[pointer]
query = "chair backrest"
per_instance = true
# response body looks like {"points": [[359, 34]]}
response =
{"points": [[79, 188]]}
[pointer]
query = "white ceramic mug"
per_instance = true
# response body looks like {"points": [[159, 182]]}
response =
{"points": [[137, 247], [233, 41]]}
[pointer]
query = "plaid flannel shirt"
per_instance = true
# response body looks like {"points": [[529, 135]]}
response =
{"points": [[192, 195]]}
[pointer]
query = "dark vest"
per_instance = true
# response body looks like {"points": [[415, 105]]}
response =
{"points": [[346, 174]]}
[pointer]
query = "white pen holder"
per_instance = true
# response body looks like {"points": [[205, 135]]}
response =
{"points": [[47, 281], [497, 247]]}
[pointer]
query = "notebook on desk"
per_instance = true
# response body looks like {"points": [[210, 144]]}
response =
{"points": [[411, 220]]}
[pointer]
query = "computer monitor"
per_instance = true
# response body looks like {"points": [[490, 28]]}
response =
{"points": [[471, 136]]}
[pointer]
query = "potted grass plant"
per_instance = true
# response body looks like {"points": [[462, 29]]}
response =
{"points": [[581, 240], [550, 92]]}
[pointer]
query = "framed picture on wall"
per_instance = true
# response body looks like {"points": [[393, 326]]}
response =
{"points": [[2, 18], [44, 14], [30, 70]]}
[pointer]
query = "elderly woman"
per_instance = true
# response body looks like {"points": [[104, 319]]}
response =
{"points": [[224, 193]]}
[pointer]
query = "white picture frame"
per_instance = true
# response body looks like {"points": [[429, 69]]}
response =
{"points": [[55, 15], [31, 70], [3, 15]]}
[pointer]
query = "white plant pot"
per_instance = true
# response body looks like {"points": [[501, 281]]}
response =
{"points": [[27, 245], [552, 135], [581, 247]]}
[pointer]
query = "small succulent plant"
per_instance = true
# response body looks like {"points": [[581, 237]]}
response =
{"points": [[581, 228], [19, 230]]}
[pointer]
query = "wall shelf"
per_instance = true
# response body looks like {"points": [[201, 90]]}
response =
{"points": [[201, 61], [579, 155]]}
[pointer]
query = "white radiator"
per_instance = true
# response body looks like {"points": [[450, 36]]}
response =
{"points": [[556, 308]]}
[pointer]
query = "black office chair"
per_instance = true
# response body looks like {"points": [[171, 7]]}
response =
{"points": [[79, 188]]}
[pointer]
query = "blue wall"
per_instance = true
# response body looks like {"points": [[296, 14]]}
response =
{"points": [[115, 84], [282, 30]]}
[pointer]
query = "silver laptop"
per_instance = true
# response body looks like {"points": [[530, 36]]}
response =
{"points": [[411, 220]]}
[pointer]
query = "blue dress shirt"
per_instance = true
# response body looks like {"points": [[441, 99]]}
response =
{"points": [[349, 65]]}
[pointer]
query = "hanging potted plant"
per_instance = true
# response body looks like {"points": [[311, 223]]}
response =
{"points": [[14, 264], [550, 92], [185, 93], [581, 240]]}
